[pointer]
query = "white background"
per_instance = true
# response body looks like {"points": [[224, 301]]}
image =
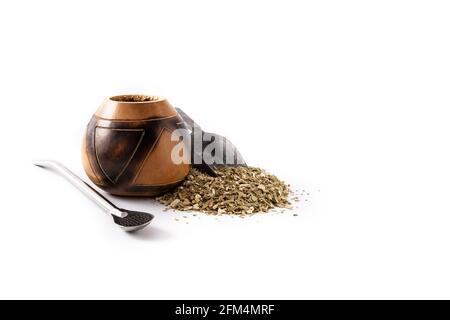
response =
{"points": [[348, 100]]}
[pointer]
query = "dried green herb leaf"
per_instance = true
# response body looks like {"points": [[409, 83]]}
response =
{"points": [[235, 190]]}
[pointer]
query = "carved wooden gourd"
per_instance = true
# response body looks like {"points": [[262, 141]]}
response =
{"points": [[127, 146]]}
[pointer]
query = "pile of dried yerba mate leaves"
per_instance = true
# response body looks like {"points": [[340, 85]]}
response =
{"points": [[235, 191]]}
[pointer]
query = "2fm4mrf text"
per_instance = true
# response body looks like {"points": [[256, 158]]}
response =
{"points": [[226, 309]]}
